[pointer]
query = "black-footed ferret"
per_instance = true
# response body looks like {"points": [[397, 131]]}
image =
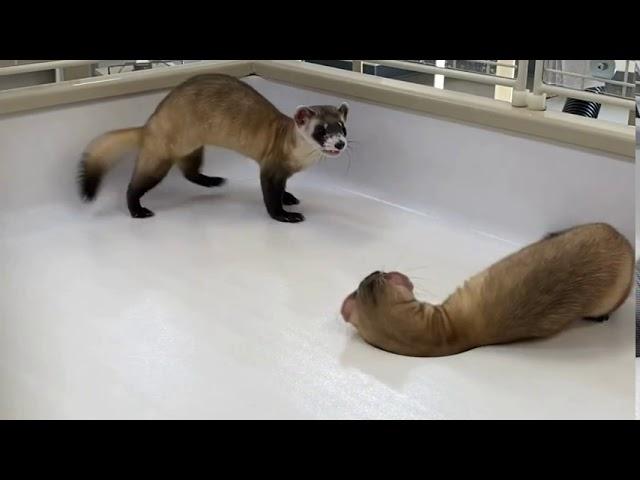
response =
{"points": [[223, 111], [584, 272]]}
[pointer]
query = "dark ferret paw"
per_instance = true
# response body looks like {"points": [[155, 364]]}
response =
{"points": [[142, 213]]}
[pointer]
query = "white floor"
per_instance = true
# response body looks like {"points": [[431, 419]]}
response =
{"points": [[212, 310]]}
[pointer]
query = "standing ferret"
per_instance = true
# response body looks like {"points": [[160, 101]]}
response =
{"points": [[583, 272], [218, 110]]}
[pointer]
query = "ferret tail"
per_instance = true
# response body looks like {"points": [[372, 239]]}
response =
{"points": [[101, 155]]}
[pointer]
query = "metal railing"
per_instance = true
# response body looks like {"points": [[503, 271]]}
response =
{"points": [[637, 93], [637, 79], [610, 137], [488, 72], [508, 75], [540, 87], [44, 66], [420, 66], [100, 67]]}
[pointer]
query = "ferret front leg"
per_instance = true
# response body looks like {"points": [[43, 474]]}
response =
{"points": [[273, 190], [289, 199]]}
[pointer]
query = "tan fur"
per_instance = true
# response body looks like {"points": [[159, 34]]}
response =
{"points": [[106, 149], [586, 271], [223, 111], [207, 110]]}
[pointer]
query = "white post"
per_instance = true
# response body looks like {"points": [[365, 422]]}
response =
{"points": [[501, 92], [438, 80]]}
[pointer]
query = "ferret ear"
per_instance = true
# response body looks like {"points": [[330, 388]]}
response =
{"points": [[303, 115], [344, 110]]}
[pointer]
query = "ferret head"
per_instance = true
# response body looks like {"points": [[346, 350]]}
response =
{"points": [[323, 126], [380, 309]]}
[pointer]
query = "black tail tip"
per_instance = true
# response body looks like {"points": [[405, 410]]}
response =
{"points": [[550, 235], [556, 234], [88, 182]]}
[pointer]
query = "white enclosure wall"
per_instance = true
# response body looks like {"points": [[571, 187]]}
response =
{"points": [[503, 183], [212, 310]]}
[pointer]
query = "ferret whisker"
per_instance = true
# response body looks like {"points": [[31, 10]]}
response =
{"points": [[348, 163]]}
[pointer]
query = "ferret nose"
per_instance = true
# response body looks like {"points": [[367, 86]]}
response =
{"points": [[339, 145]]}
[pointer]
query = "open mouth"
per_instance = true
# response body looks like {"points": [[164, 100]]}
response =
{"points": [[331, 151]]}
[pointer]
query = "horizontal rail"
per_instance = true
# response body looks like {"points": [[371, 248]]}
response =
{"points": [[70, 91], [589, 77], [490, 62], [44, 66], [483, 62], [558, 126], [570, 129], [447, 72]]}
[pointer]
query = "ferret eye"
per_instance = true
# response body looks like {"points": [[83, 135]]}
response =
{"points": [[344, 129], [320, 130]]}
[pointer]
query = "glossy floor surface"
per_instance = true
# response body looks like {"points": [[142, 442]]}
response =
{"points": [[212, 310]]}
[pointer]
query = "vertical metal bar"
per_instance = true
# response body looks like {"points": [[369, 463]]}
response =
{"points": [[523, 73], [537, 77], [626, 77], [357, 66], [438, 80], [500, 92]]}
